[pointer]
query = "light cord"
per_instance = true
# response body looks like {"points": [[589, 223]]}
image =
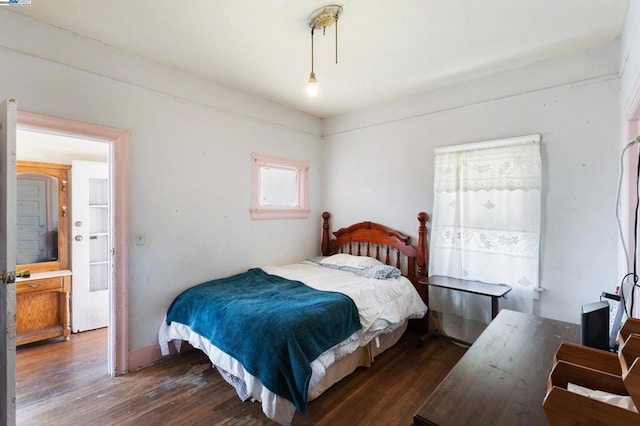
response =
{"points": [[312, 28], [620, 230], [336, 38]]}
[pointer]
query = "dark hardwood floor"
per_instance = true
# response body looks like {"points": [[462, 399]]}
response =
{"points": [[65, 383]]}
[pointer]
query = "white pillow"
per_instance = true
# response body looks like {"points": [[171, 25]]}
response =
{"points": [[343, 259]]}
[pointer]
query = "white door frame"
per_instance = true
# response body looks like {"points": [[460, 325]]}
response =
{"points": [[118, 170], [631, 130]]}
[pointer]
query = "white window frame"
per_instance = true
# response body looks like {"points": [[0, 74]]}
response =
{"points": [[258, 211]]}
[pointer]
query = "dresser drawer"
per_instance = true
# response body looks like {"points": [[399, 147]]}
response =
{"points": [[42, 307], [42, 284]]}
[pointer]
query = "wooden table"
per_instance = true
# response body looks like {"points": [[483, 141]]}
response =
{"points": [[502, 379], [495, 291]]}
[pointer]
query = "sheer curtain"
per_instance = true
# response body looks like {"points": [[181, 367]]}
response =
{"points": [[486, 226]]}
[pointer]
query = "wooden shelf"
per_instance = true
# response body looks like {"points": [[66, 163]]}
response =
{"points": [[598, 370]]}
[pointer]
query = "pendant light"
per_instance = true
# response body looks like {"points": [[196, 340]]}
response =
{"points": [[321, 19], [312, 85]]}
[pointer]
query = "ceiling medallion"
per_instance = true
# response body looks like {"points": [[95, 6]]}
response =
{"points": [[324, 17]]}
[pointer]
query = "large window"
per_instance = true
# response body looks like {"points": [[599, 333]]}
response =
{"points": [[486, 222], [279, 188]]}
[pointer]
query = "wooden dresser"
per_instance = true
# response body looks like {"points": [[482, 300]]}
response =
{"points": [[42, 306], [42, 300]]}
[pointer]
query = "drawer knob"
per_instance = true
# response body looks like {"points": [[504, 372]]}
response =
{"points": [[34, 285]]}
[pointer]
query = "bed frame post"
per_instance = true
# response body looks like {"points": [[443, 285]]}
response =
{"points": [[423, 250], [325, 234]]}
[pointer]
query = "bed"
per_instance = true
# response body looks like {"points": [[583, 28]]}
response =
{"points": [[282, 335]]}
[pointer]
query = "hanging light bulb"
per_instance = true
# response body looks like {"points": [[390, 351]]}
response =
{"points": [[321, 19], [312, 85]]}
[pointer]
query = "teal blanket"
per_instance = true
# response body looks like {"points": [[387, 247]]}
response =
{"points": [[275, 327]]}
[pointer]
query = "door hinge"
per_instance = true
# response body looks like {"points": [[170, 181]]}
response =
{"points": [[8, 277]]}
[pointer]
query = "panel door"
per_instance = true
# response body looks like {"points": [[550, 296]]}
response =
{"points": [[8, 237], [91, 250]]}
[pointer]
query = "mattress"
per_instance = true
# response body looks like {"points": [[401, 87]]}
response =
{"points": [[383, 307]]}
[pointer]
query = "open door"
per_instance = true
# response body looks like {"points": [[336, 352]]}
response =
{"points": [[8, 113], [91, 251]]}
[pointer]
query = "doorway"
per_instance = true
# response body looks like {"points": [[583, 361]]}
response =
{"points": [[89, 219], [629, 193], [116, 142]]}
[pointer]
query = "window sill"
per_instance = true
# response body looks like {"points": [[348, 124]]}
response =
{"points": [[279, 213]]}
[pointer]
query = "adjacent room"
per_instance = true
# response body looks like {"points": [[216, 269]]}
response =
{"points": [[459, 175]]}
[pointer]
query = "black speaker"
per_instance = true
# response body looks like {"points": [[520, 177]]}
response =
{"points": [[595, 325]]}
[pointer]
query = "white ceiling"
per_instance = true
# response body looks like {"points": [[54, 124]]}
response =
{"points": [[387, 49]]}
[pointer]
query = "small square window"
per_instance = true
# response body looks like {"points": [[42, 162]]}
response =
{"points": [[279, 188]]}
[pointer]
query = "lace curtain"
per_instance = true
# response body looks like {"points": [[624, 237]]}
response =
{"points": [[486, 226]]}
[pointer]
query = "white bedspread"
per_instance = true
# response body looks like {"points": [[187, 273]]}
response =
{"points": [[383, 306]]}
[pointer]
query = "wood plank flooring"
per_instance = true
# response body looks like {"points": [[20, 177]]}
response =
{"points": [[65, 383]]}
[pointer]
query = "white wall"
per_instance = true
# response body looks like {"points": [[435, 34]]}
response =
{"points": [[630, 52], [571, 101], [191, 142], [189, 160]]}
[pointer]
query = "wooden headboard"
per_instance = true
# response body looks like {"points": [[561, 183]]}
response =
{"points": [[383, 243]]}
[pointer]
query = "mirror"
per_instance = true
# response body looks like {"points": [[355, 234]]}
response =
{"points": [[41, 216], [37, 221]]}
